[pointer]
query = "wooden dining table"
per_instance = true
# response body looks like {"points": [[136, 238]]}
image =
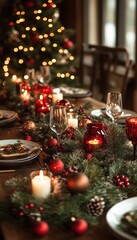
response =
{"points": [[11, 230]]}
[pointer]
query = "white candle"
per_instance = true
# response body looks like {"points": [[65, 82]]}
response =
{"points": [[41, 185], [57, 97], [25, 96], [73, 122]]}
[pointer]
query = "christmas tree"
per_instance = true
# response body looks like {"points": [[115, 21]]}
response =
{"points": [[37, 41]]}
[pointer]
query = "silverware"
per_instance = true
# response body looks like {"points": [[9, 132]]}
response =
{"points": [[7, 170]]}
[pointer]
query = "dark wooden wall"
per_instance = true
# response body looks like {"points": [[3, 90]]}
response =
{"points": [[71, 16]]}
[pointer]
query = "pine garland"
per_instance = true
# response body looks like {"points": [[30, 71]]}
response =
{"points": [[101, 169]]}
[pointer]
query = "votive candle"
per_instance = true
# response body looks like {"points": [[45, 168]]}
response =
{"points": [[41, 185]]}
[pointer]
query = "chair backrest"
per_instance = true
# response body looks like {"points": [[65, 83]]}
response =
{"points": [[110, 67]]}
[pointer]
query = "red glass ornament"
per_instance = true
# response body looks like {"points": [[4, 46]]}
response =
{"points": [[34, 37], [94, 137], [52, 142], [31, 61], [28, 138], [56, 166], [29, 4], [79, 226], [131, 131], [40, 228]]}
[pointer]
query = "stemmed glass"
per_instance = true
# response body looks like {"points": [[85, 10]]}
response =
{"points": [[131, 131], [114, 105], [58, 120]]}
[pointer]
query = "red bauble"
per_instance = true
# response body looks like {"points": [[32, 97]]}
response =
{"points": [[40, 228], [28, 138], [89, 156], [56, 166], [31, 61], [49, 5], [79, 226], [68, 44], [34, 37], [29, 4], [52, 142]]}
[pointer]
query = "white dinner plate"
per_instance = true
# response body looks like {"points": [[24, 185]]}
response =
{"points": [[34, 152], [9, 116], [73, 92], [121, 119], [115, 214]]}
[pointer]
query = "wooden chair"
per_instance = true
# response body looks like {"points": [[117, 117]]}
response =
{"points": [[109, 69]]}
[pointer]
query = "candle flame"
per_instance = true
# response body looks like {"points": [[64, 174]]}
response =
{"points": [[94, 141], [41, 174]]}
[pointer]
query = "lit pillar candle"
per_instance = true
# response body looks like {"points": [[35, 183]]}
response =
{"points": [[57, 97], [72, 121], [41, 185]]}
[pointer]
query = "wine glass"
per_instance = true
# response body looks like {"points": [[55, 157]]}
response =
{"points": [[114, 105], [131, 131], [58, 120]]}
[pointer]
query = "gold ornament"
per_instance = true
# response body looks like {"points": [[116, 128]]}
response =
{"points": [[29, 126], [77, 182], [83, 123]]}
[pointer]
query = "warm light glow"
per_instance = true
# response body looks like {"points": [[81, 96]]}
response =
{"points": [[67, 74], [44, 63], [44, 5], [23, 36], [51, 34], [72, 77], [40, 36], [45, 19], [34, 29], [45, 35], [50, 25], [26, 77], [94, 141], [65, 51], [31, 48], [71, 58], [43, 49], [38, 18], [27, 28], [41, 174], [18, 13], [15, 49], [20, 61], [25, 49], [20, 47], [50, 63], [53, 60], [55, 45], [39, 11], [23, 13]]}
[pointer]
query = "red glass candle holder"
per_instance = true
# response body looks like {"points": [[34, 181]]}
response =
{"points": [[94, 137], [131, 131]]}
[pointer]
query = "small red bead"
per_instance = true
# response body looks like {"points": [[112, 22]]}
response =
{"points": [[122, 177], [40, 209], [127, 184], [21, 214], [26, 206], [126, 179], [31, 205]]}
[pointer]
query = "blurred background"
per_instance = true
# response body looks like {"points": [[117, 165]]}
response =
{"points": [[110, 23]]}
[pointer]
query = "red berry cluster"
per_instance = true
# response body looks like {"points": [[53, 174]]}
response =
{"points": [[70, 133], [80, 110], [122, 181], [21, 212], [70, 170]]}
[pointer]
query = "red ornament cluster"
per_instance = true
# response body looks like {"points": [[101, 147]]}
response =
{"points": [[122, 181]]}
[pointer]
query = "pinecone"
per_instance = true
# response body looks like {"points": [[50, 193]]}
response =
{"points": [[96, 206]]}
